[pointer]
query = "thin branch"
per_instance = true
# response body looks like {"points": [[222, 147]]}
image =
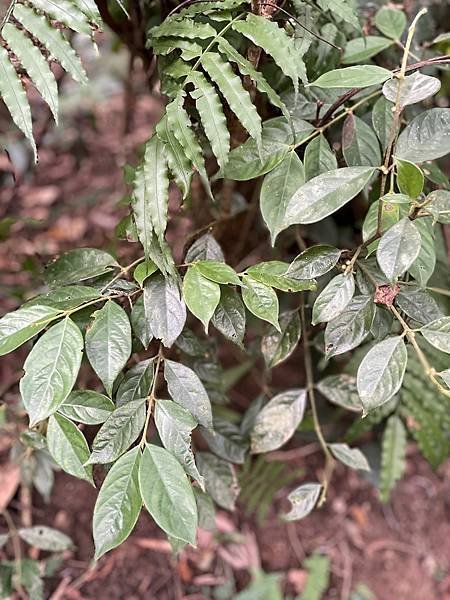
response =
{"points": [[8, 14]]}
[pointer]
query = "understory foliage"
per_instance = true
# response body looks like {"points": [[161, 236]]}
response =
{"points": [[333, 115]]}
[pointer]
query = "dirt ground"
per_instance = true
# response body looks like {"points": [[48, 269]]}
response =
{"points": [[400, 551]]}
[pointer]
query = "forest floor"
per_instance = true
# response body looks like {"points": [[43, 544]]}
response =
{"points": [[400, 551]]}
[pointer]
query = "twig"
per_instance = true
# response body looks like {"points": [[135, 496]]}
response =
{"points": [[151, 397], [16, 549], [8, 14]]}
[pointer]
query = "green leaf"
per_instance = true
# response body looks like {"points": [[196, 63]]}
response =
{"points": [[78, 265], [277, 189], [66, 298], [423, 267], [85, 406], [303, 500], [360, 76], [318, 158], [314, 262], [425, 137], [275, 42], [118, 432], [277, 346], [175, 424], [392, 456], [136, 382], [414, 88], [151, 194], [325, 194], [21, 325], [220, 479], [167, 494], [212, 117], [226, 441], [352, 457], [141, 322], [108, 343], [341, 390], [410, 179], [229, 316], [418, 304], [382, 119], [359, 143], [53, 40], [318, 567], [183, 28], [237, 97], [334, 298], [438, 204], [201, 295], [179, 165], [205, 248], [118, 504], [261, 300], [35, 65], [276, 423], [45, 538], [351, 327], [165, 309], [391, 21], [15, 98], [342, 9], [218, 271], [65, 12], [68, 447], [246, 68], [381, 372], [390, 214], [274, 273], [187, 390], [362, 48], [438, 333], [398, 248], [51, 370]]}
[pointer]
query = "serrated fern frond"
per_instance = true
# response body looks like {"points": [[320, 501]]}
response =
{"points": [[392, 456]]}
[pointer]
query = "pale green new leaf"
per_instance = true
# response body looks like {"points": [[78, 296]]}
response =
{"points": [[201, 295], [410, 178], [237, 97], [261, 300], [53, 39], [360, 76], [274, 273], [86, 406], [381, 372], [392, 456], [438, 333], [167, 494], [118, 503], [334, 298], [362, 48], [68, 447], [218, 271], [64, 12], [211, 114], [108, 343], [35, 65], [391, 21], [51, 370], [24, 323], [15, 98], [277, 189], [398, 248]]}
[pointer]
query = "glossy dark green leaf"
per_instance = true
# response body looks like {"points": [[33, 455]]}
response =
{"points": [[410, 179], [261, 300], [218, 271], [118, 432], [167, 494], [175, 424], [45, 538], [65, 298], [359, 143], [314, 262], [414, 88], [144, 270], [353, 77], [205, 248], [438, 333], [277, 346], [201, 295], [274, 273], [276, 423], [352, 457], [21, 325], [391, 21], [425, 137], [277, 189], [423, 267], [220, 479], [118, 503], [325, 194], [229, 316], [319, 158], [418, 304], [381, 372], [140, 322], [188, 391], [226, 441], [78, 265], [108, 343], [136, 382], [86, 406], [351, 327], [303, 500], [165, 308], [362, 48], [68, 447], [51, 370], [333, 299], [398, 248], [382, 118], [341, 390]]}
